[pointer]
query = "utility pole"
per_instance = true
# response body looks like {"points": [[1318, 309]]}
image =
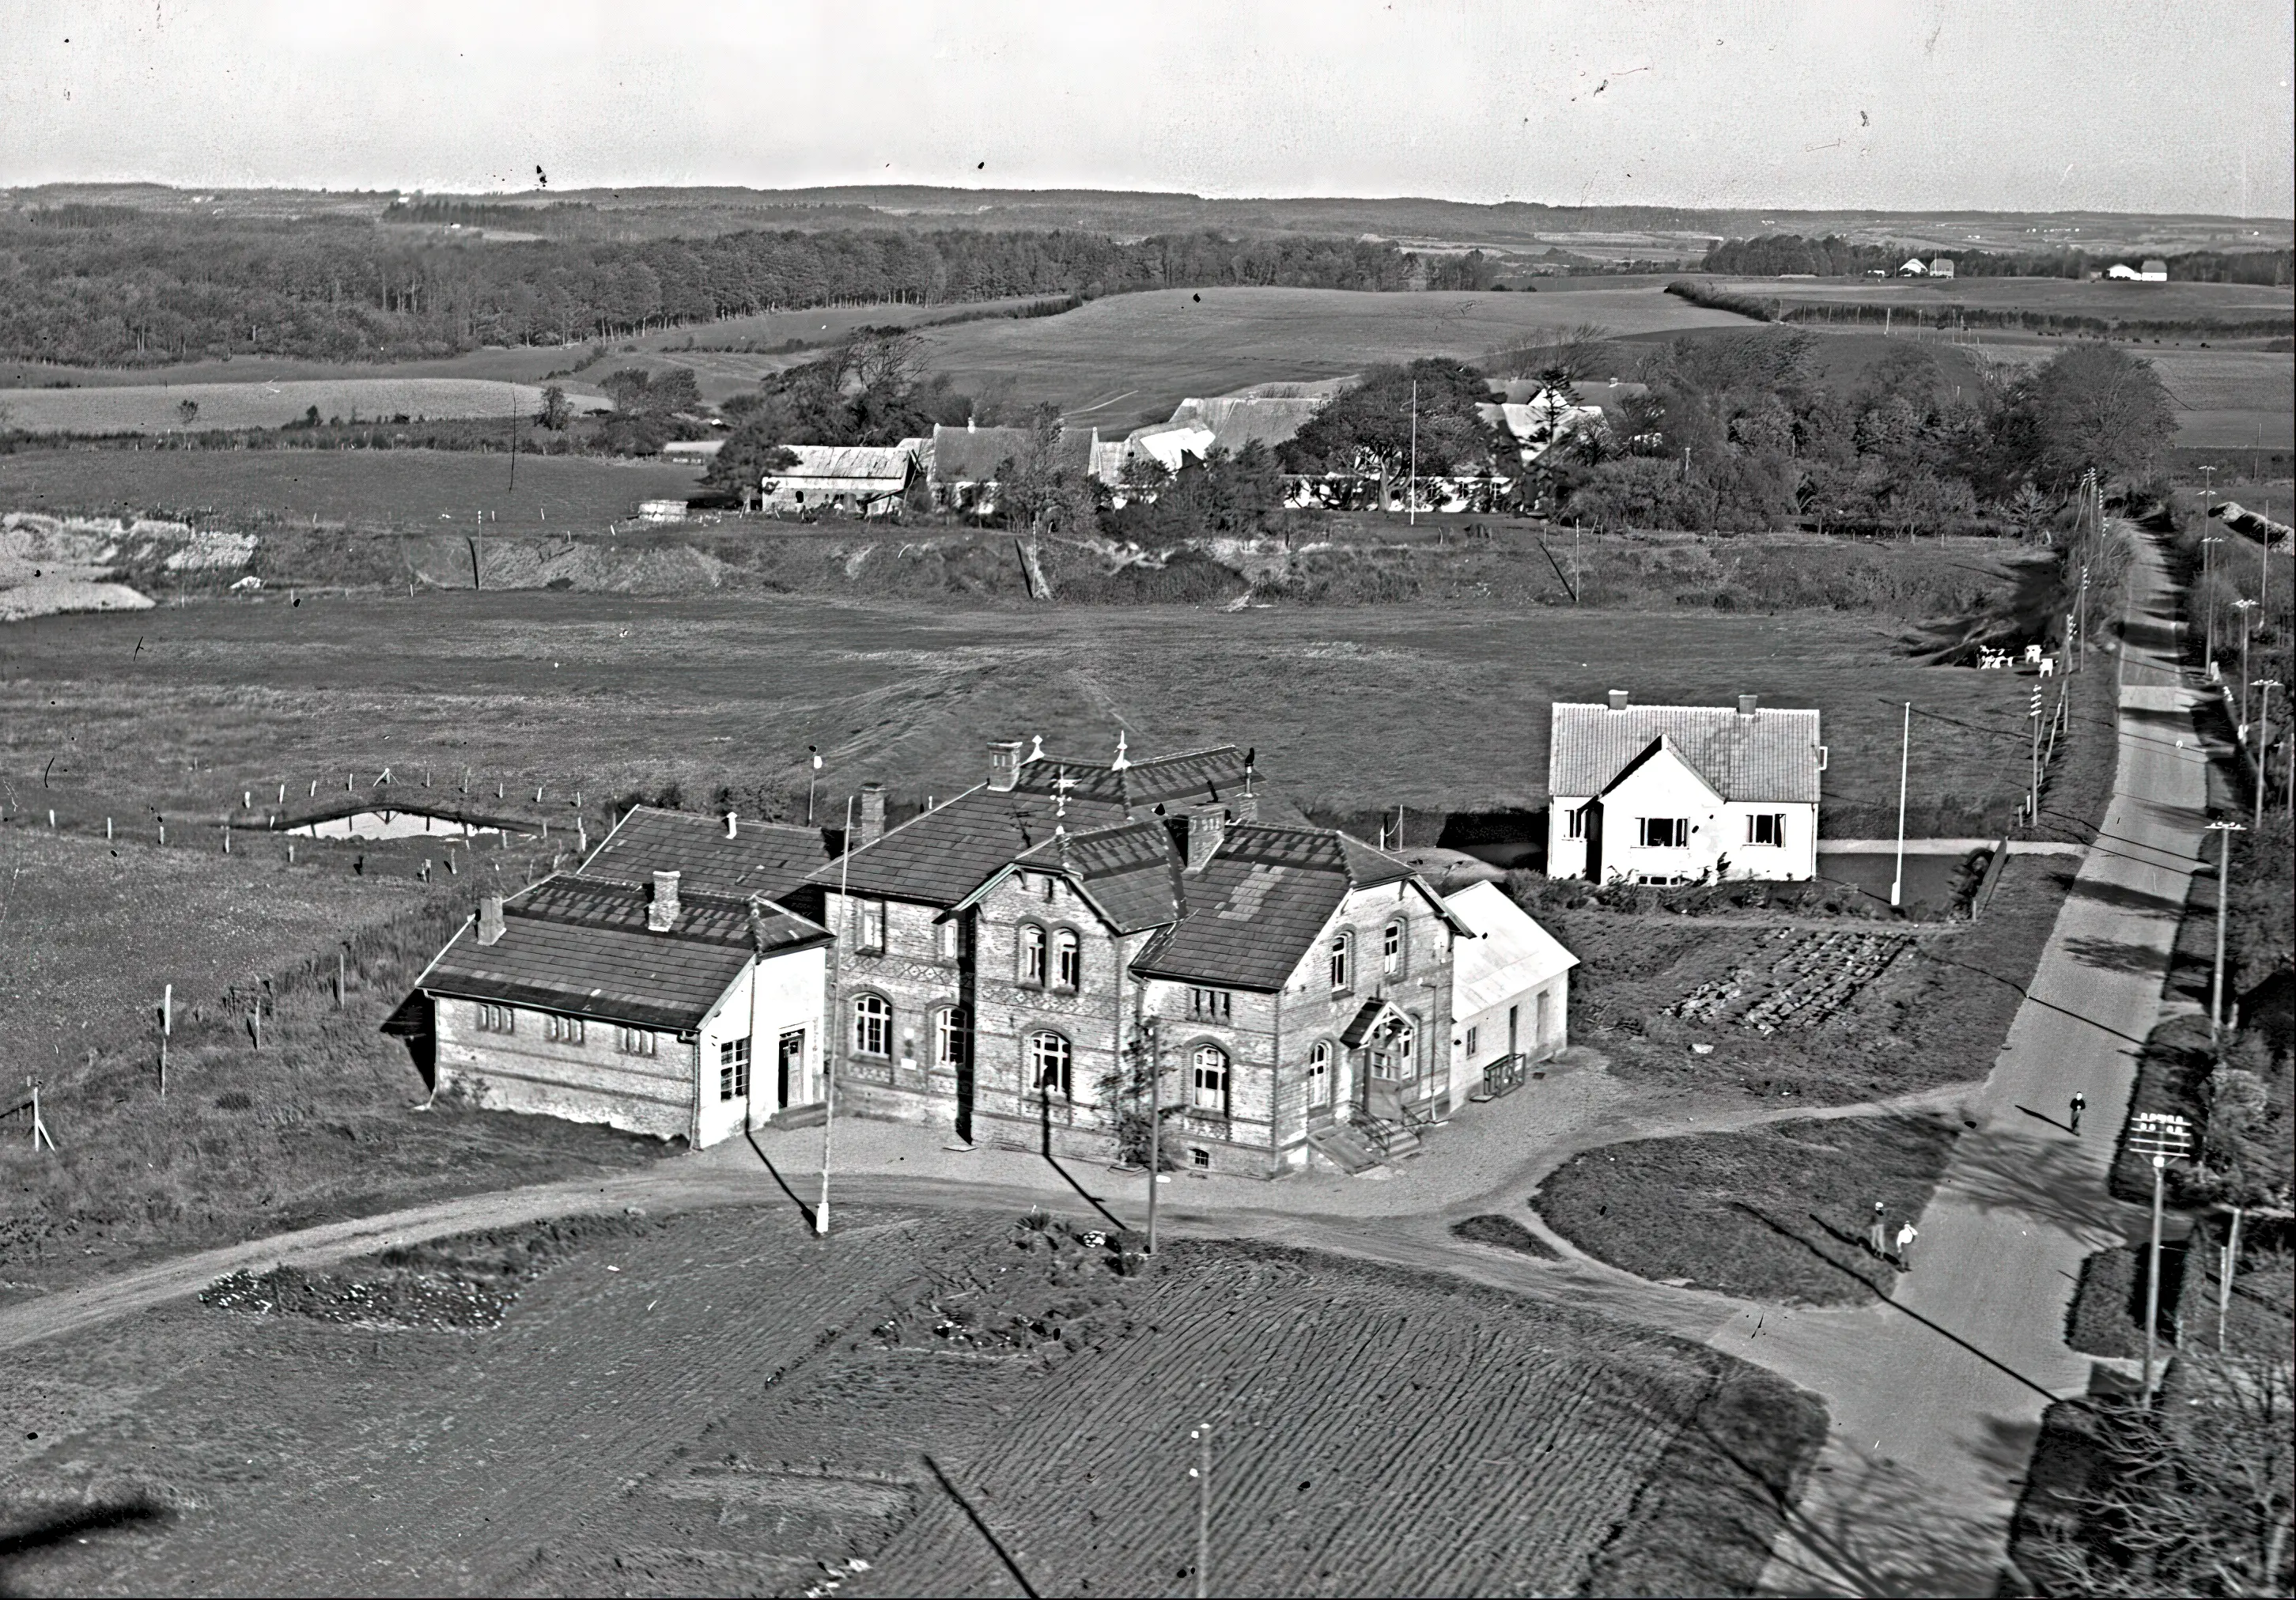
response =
{"points": [[167, 1027], [2033, 795], [1578, 547], [812, 777], [2265, 686], [2225, 831], [2208, 599], [2244, 606], [1411, 486], [828, 1055], [1203, 1473], [1905, 753], [2229, 1265], [2164, 1136]]}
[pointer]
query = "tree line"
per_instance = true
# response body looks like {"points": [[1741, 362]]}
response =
{"points": [[111, 286], [1776, 255]]}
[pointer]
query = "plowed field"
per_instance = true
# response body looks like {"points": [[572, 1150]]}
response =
{"points": [[921, 1406]]}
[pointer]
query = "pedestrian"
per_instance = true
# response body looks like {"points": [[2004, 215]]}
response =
{"points": [[2080, 1105], [1906, 1234], [1877, 1233]]}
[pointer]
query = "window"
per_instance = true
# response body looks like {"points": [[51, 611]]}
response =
{"points": [[1475, 1039], [634, 1041], [1049, 1058], [872, 1026], [497, 1019], [952, 1038], [1032, 953], [1665, 832], [949, 941], [1390, 949], [1208, 1087], [1543, 1025], [1199, 1157], [1574, 821], [1068, 953], [871, 924], [1767, 827], [563, 1031], [733, 1069], [1319, 1075], [1208, 1005], [1343, 962]]}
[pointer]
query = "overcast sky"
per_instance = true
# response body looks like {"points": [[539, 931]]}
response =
{"points": [[2000, 105]]}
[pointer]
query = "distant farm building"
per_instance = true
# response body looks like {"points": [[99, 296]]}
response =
{"points": [[1942, 267], [854, 480], [967, 466], [1683, 795], [696, 450], [1914, 268], [661, 511]]}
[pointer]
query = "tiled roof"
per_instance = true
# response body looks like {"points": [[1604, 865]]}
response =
{"points": [[1771, 755], [944, 854], [1131, 872], [886, 464], [1235, 421], [583, 950], [1509, 953], [767, 858]]}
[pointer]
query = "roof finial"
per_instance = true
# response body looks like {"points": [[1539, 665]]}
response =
{"points": [[1121, 762], [1037, 750]]}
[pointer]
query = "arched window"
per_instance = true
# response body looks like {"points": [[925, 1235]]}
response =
{"points": [[952, 1038], [1068, 959], [1343, 962], [1208, 1089], [1319, 1074], [873, 1025], [1391, 950], [1032, 953], [1049, 1063]]}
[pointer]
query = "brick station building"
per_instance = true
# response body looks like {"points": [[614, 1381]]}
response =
{"points": [[1018, 961]]}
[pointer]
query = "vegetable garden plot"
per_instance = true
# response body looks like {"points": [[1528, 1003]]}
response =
{"points": [[1814, 979]]}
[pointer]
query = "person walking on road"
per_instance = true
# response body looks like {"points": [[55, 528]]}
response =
{"points": [[1877, 1233], [2080, 1105], [1906, 1234]]}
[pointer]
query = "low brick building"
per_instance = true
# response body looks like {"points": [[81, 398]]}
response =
{"points": [[1022, 959]]}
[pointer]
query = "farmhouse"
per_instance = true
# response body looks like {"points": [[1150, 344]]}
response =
{"points": [[967, 465], [1024, 959], [2154, 271], [1942, 267], [1681, 794], [661, 511], [863, 480], [1510, 987], [655, 1009]]}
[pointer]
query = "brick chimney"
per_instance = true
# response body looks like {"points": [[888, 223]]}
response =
{"points": [[1003, 763], [1748, 704], [661, 910], [872, 826], [733, 825], [1618, 700], [490, 920], [1196, 833]]}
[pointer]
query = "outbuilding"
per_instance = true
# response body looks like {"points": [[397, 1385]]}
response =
{"points": [[855, 481], [1510, 986]]}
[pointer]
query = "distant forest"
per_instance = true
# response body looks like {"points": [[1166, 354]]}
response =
{"points": [[1832, 256], [113, 286]]}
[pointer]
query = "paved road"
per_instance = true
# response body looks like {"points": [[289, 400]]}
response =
{"points": [[1937, 1396]]}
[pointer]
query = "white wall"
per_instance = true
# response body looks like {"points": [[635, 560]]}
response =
{"points": [[769, 999], [592, 1081]]}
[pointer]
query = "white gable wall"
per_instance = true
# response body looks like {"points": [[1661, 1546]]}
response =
{"points": [[1720, 832], [781, 995]]}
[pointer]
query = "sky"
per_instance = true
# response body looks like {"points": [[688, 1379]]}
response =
{"points": [[2121, 105]]}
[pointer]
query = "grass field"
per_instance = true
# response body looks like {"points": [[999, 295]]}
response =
{"points": [[1438, 708], [2066, 295], [312, 1125], [152, 408], [366, 488], [920, 1405], [1133, 356]]}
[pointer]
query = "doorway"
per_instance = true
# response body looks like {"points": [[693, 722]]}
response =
{"points": [[789, 1069]]}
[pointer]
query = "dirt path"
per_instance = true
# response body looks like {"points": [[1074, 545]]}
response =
{"points": [[1937, 1395]]}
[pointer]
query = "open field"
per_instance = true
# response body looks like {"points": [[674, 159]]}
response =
{"points": [[368, 488], [152, 408], [922, 1405], [2070, 296], [1120, 359], [1433, 707], [312, 1125]]}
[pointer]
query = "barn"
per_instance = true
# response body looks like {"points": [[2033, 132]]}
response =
{"points": [[853, 480]]}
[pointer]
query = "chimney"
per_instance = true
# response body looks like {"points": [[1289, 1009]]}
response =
{"points": [[872, 827], [661, 911], [1003, 763], [1197, 833], [733, 825], [1618, 700], [490, 920], [1748, 703]]}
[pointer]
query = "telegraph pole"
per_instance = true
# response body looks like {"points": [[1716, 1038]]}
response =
{"points": [[829, 1055], [2164, 1136], [1905, 753], [1155, 1124], [2225, 831], [2265, 686], [2033, 800], [1411, 487], [1203, 1473]]}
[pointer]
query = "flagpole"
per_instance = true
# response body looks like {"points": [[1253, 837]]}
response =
{"points": [[828, 1050]]}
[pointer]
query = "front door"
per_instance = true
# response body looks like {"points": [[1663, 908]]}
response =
{"points": [[789, 1070]]}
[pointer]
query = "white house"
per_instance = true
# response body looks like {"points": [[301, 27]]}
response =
{"points": [[1678, 794], [1942, 267], [1509, 984], [1915, 268], [685, 1015]]}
